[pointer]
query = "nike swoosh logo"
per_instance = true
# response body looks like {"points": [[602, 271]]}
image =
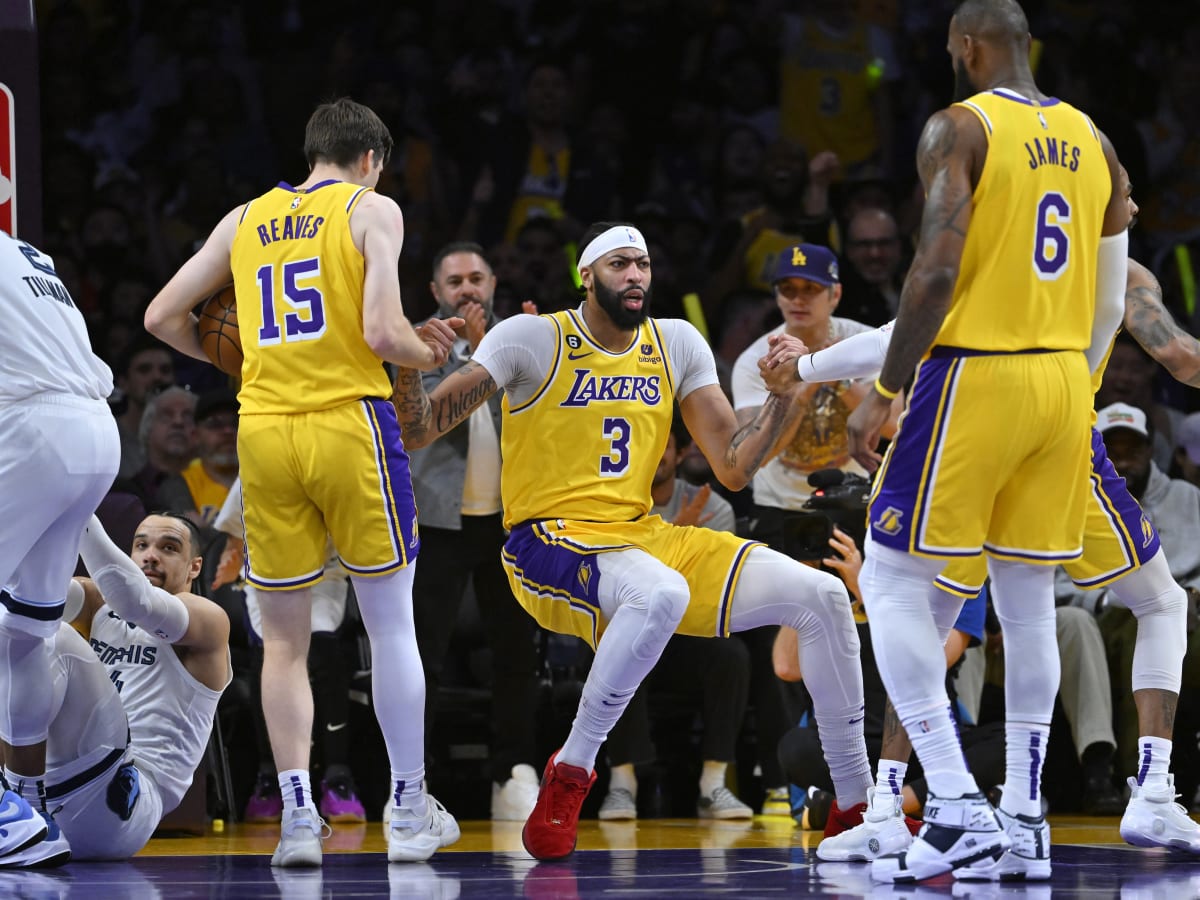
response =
{"points": [[11, 812], [855, 721], [332, 727], [579, 355]]}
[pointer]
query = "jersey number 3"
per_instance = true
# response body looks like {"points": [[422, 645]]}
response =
{"points": [[615, 463], [305, 320], [1051, 244]]}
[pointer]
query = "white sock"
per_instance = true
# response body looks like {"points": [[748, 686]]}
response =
{"points": [[408, 791], [712, 776], [889, 777], [296, 789], [624, 778], [1154, 762], [1024, 756], [31, 788]]}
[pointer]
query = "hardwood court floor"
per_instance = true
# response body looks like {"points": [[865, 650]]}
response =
{"points": [[697, 859]]}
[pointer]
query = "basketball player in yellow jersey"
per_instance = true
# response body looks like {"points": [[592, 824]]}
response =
{"points": [[1022, 254], [588, 398], [315, 272]]}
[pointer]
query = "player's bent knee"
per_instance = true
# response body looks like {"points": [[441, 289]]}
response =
{"points": [[666, 604]]}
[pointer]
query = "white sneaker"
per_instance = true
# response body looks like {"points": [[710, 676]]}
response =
{"points": [[413, 838], [722, 804], [882, 832], [619, 806], [47, 849], [957, 832], [1154, 819], [1027, 860], [20, 826], [514, 800], [301, 833]]}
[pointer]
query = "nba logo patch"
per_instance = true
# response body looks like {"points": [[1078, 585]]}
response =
{"points": [[295, 202]]}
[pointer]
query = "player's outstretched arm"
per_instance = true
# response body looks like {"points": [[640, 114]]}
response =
{"points": [[423, 417], [734, 451], [1153, 326], [169, 315]]}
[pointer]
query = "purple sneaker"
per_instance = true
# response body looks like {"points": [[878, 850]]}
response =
{"points": [[265, 805], [339, 803]]}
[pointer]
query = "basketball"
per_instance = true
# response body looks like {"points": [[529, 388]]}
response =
{"points": [[218, 330]]}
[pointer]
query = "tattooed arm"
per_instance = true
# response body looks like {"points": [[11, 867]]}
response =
{"points": [[950, 155], [734, 451], [1152, 326], [425, 418]]}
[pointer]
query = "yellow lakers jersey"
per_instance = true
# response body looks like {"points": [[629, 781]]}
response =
{"points": [[586, 444], [826, 89], [299, 284], [207, 493], [1028, 273]]}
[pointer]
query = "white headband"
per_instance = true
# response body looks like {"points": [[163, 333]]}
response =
{"points": [[613, 239]]}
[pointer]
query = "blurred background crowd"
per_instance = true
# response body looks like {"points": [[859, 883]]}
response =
{"points": [[724, 130]]}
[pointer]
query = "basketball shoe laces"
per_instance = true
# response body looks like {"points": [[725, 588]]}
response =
{"points": [[568, 796]]}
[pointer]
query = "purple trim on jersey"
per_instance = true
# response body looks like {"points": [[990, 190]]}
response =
{"points": [[391, 461], [307, 190], [1130, 524], [1147, 755], [555, 569], [354, 197], [1016, 98], [899, 503], [1035, 764], [662, 346]]}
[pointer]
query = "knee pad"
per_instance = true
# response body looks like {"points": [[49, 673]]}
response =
{"points": [[666, 604]]}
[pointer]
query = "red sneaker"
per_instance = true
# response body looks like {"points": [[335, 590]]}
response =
{"points": [[914, 826], [552, 827], [843, 819]]}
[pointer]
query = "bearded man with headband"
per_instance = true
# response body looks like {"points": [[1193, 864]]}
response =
{"points": [[587, 407]]}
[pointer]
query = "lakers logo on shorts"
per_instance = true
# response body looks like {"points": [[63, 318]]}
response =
{"points": [[585, 575], [889, 521], [1147, 532]]}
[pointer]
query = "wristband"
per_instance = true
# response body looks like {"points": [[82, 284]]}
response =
{"points": [[884, 392]]}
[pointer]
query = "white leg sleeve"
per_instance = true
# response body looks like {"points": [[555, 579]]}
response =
{"points": [[1160, 606]]}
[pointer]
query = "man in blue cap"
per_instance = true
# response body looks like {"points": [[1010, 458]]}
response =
{"points": [[807, 291]]}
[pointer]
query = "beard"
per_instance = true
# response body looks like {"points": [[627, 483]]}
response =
{"points": [[611, 302], [1137, 481], [963, 88]]}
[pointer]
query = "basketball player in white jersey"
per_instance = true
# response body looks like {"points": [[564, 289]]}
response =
{"points": [[59, 456], [133, 711]]}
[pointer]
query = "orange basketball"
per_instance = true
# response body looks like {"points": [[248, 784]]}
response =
{"points": [[218, 330]]}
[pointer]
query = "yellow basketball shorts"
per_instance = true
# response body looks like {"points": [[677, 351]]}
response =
{"points": [[991, 454], [341, 471], [551, 566]]}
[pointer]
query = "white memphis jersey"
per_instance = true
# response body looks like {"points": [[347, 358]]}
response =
{"points": [[170, 712], [44, 346]]}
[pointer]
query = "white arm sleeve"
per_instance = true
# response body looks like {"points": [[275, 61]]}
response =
{"points": [[1112, 268], [126, 588], [858, 356]]}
